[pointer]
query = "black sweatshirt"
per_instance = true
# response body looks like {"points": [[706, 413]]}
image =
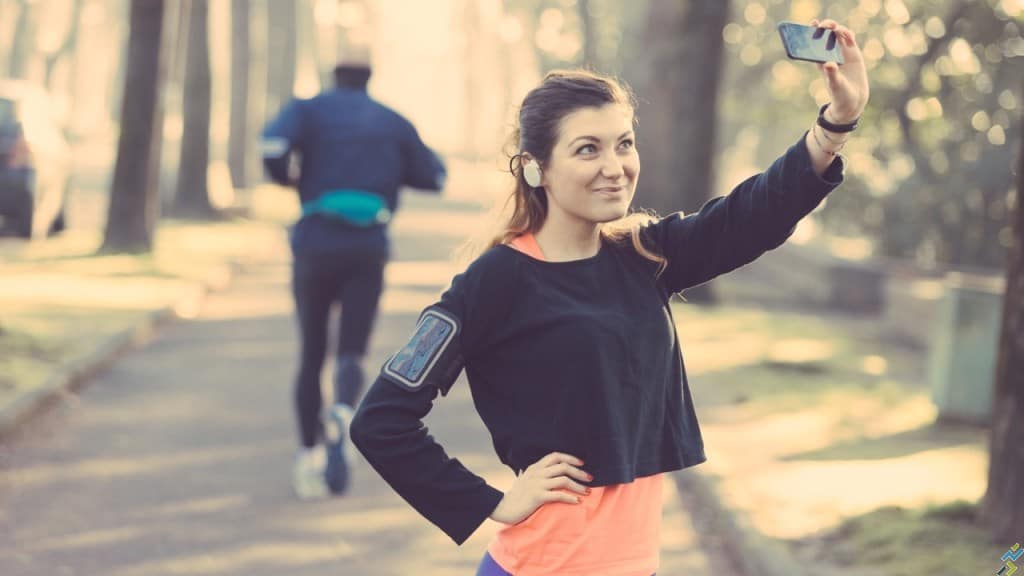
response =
{"points": [[579, 357]]}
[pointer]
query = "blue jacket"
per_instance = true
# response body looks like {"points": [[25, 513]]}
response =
{"points": [[346, 140]]}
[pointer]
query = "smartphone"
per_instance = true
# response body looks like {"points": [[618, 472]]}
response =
{"points": [[810, 43]]}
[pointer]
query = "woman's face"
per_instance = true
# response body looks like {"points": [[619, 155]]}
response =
{"points": [[593, 169]]}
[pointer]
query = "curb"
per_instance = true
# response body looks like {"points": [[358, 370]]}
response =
{"points": [[751, 552], [75, 373]]}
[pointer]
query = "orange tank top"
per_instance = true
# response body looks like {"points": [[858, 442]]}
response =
{"points": [[613, 531]]}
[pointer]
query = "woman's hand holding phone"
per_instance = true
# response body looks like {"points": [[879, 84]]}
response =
{"points": [[847, 84]]}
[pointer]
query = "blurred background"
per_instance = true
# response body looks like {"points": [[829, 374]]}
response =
{"points": [[930, 176], [129, 134]]}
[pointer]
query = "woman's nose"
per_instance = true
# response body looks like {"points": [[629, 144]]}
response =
{"points": [[611, 167]]}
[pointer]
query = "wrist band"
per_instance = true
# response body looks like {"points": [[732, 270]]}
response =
{"points": [[837, 139], [838, 128], [832, 153]]}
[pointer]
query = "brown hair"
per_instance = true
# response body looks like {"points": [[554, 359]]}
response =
{"points": [[561, 93]]}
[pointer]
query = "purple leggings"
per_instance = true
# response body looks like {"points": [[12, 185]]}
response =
{"points": [[488, 567]]}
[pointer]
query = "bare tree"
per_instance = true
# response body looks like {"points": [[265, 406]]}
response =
{"points": [[1003, 505], [471, 83], [678, 126], [587, 25], [24, 40], [134, 196], [283, 46], [238, 135], [259, 63], [249, 58], [68, 47], [191, 198]]}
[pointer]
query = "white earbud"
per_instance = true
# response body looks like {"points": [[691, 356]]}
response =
{"points": [[531, 173]]}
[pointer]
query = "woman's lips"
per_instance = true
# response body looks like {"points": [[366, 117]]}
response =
{"points": [[611, 194]]}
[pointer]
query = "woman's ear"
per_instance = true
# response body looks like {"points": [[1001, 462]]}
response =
{"points": [[532, 172]]}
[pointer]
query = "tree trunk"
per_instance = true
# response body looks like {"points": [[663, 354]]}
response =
{"points": [[68, 47], [678, 128], [307, 58], [1003, 505], [134, 196], [259, 58], [589, 55], [177, 57], [24, 41], [191, 198], [470, 83], [238, 135], [282, 47]]}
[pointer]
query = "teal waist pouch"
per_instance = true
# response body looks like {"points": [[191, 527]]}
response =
{"points": [[356, 207]]}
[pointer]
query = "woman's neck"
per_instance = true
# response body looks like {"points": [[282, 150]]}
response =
{"points": [[562, 240]]}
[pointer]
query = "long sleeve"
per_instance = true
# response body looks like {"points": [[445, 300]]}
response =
{"points": [[281, 136], [388, 426], [424, 169], [388, 429], [730, 231]]}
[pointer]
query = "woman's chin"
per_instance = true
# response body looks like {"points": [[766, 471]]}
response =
{"points": [[612, 213]]}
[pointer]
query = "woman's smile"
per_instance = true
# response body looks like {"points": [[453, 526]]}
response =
{"points": [[612, 191]]}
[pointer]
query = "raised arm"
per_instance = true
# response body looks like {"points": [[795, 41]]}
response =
{"points": [[848, 95], [730, 231], [762, 212]]}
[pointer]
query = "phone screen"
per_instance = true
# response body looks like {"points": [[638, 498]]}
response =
{"points": [[810, 43]]}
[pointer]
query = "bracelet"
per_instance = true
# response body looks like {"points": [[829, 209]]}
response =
{"points": [[820, 145], [833, 140], [831, 127]]}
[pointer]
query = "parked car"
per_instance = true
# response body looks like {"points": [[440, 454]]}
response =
{"points": [[35, 162]]}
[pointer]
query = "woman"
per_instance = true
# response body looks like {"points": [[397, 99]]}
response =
{"points": [[564, 330]]}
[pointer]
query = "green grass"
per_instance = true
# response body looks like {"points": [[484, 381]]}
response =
{"points": [[186, 250], [22, 354], [59, 298], [783, 361], [943, 539], [36, 340], [17, 343], [761, 364]]}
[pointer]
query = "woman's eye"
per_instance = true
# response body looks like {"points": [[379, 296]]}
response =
{"points": [[588, 149], [626, 144]]}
